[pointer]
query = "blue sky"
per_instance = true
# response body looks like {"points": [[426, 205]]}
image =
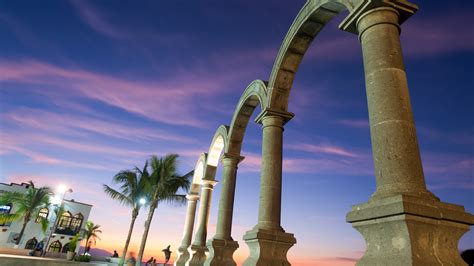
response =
{"points": [[88, 88]]}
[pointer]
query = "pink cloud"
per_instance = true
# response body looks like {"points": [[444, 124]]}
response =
{"points": [[356, 123], [171, 101], [35, 156], [440, 168], [15, 144], [322, 148], [351, 166], [38, 147], [54, 122], [426, 36], [343, 47]]}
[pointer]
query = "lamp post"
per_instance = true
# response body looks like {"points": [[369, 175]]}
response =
{"points": [[60, 190]]}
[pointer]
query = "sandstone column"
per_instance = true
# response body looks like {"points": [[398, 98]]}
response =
{"points": [[183, 254], [403, 223], [222, 246], [198, 249], [268, 242]]}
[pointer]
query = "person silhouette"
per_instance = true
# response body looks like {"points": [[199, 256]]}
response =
{"points": [[149, 261], [167, 252]]}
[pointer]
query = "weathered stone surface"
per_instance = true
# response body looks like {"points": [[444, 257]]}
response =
{"points": [[268, 247], [221, 252], [183, 254], [403, 222], [198, 255], [405, 230], [198, 249]]}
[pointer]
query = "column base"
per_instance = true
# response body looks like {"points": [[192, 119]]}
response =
{"points": [[197, 255], [221, 252], [267, 247], [183, 256], [405, 230]]}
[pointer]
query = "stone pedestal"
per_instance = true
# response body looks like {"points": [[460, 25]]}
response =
{"points": [[198, 255], [268, 247], [406, 230], [183, 256], [221, 252]]}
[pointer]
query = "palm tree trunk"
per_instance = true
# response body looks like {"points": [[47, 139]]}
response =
{"points": [[145, 233], [129, 236], [25, 222], [87, 245]]}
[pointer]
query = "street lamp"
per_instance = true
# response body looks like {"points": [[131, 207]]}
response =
{"points": [[57, 200], [142, 201]]}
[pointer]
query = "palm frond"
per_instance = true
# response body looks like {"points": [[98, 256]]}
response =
{"points": [[116, 195], [175, 200]]}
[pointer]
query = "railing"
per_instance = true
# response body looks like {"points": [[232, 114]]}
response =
{"points": [[66, 231]]}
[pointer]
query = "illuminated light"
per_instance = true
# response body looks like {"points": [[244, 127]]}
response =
{"points": [[56, 199], [142, 201], [5, 207]]}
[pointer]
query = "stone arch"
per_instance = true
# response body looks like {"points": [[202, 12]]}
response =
{"points": [[199, 173], [254, 94], [400, 180], [218, 145], [308, 23]]}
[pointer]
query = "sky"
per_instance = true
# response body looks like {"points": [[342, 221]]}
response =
{"points": [[89, 88]]}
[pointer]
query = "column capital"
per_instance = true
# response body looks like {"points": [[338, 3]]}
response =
{"points": [[192, 196], [404, 8], [226, 156], [286, 116], [207, 183]]}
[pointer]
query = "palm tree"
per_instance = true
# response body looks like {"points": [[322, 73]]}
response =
{"points": [[132, 185], [92, 232], [28, 205], [163, 184]]}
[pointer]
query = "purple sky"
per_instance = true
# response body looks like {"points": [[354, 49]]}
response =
{"points": [[88, 88]]}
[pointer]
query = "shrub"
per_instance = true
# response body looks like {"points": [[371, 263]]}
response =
{"points": [[73, 243], [83, 258]]}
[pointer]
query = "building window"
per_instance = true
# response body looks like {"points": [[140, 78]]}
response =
{"points": [[65, 248], [5, 209], [44, 212], [65, 220], [76, 222], [55, 246], [31, 244]]}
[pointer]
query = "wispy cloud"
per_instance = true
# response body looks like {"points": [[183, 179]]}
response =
{"points": [[347, 165], [321, 149], [440, 168], [70, 124], [95, 20], [355, 123], [38, 157], [422, 38], [173, 101]]}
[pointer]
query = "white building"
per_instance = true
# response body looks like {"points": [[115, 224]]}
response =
{"points": [[72, 221]]}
